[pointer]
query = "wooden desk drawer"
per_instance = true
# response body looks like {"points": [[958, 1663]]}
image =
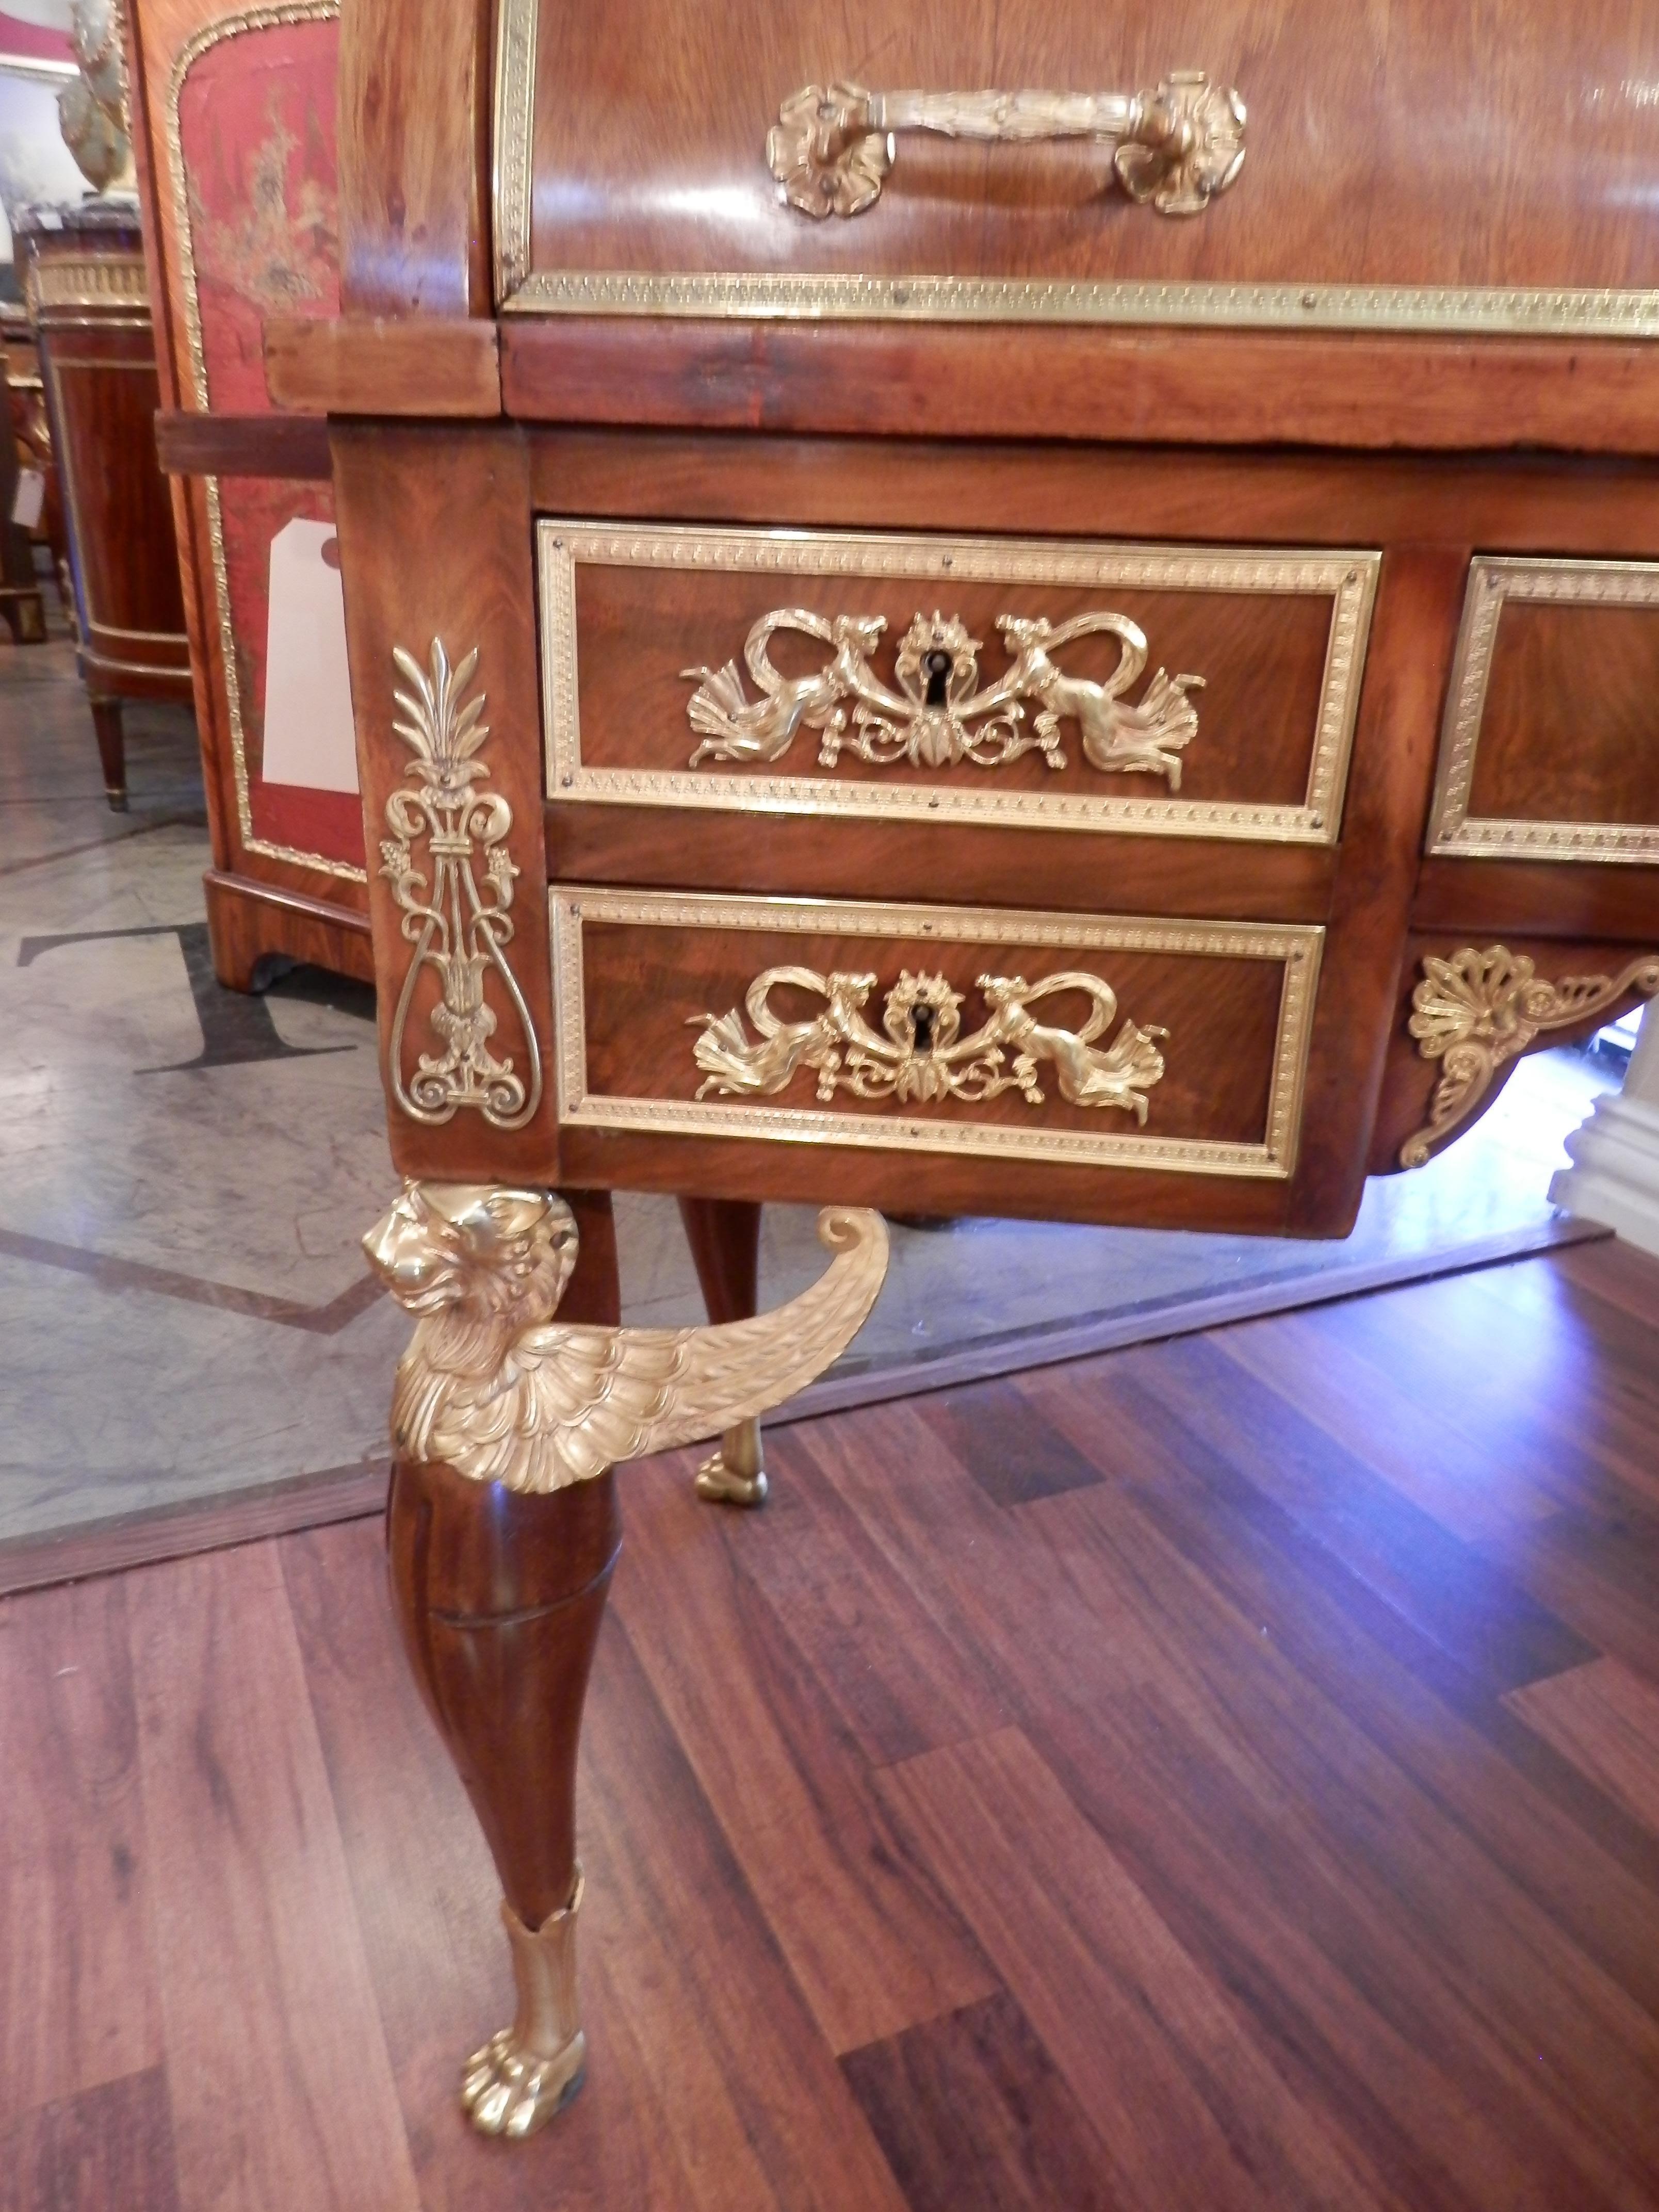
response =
{"points": [[1549, 749], [935, 1029], [973, 681]]}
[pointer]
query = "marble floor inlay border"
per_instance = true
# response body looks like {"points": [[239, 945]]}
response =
{"points": [[113, 1274]]}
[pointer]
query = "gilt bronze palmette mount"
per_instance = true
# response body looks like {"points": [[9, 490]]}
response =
{"points": [[920, 1054], [1175, 147], [936, 713], [455, 910], [1475, 1010]]}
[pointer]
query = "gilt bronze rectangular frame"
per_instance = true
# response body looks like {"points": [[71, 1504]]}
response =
{"points": [[1494, 581], [1297, 948], [1348, 578]]}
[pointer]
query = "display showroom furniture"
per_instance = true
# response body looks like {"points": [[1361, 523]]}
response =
{"points": [[232, 115], [1051, 634], [83, 279]]}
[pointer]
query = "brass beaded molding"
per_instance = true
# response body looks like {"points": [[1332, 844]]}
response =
{"points": [[1493, 583], [1348, 578], [1295, 949]]}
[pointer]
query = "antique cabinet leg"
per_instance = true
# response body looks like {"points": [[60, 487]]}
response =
{"points": [[502, 1528], [724, 1234], [111, 750], [499, 1596]]}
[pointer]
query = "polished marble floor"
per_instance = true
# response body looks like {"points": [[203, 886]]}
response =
{"points": [[185, 1172]]}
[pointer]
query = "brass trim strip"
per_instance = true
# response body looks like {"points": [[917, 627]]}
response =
{"points": [[1298, 949], [252, 19], [512, 175], [1349, 578], [1494, 581], [1475, 311]]}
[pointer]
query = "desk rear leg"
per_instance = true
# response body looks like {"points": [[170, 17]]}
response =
{"points": [[724, 1234]]}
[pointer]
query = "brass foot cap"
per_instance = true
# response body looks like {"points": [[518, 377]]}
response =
{"points": [[509, 2090], [118, 799], [721, 1486]]}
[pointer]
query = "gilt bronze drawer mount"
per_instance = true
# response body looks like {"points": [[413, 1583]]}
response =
{"points": [[844, 647]]}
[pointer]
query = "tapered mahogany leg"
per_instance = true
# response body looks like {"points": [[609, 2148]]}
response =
{"points": [[724, 1234], [499, 1596]]}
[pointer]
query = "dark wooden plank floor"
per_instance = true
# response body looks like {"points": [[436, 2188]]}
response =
{"points": [[1218, 1777]]}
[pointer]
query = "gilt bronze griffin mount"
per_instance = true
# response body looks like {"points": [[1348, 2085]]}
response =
{"points": [[936, 713]]}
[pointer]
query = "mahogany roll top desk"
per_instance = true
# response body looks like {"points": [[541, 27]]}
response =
{"points": [[1043, 609]]}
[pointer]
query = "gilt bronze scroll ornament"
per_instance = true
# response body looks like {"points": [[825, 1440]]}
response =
{"points": [[458, 924], [919, 1054], [936, 713], [1477, 1010]]}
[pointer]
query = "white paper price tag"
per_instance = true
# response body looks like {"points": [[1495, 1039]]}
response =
{"points": [[309, 737]]}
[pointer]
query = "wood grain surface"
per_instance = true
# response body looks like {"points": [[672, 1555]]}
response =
{"points": [[1595, 396], [1565, 735], [1261, 654], [1217, 1776], [1382, 148]]}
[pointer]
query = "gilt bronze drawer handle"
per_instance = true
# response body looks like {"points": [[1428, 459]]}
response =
{"points": [[457, 925], [939, 716], [832, 146], [1478, 1009], [923, 1054]]}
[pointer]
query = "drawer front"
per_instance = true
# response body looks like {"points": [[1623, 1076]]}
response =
{"points": [[1054, 684], [1548, 751], [1110, 1041]]}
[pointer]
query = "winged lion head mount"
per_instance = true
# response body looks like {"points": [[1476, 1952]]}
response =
{"points": [[494, 1386]]}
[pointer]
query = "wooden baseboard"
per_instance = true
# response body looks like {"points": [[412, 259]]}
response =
{"points": [[175, 1532]]}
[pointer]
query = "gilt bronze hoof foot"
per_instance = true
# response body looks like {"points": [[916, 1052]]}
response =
{"points": [[509, 2090], [735, 1475]]}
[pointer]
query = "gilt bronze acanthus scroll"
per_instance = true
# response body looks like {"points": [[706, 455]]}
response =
{"points": [[936, 713], [1476, 1010], [919, 1054]]}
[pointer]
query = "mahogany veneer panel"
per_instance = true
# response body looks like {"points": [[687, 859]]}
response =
{"points": [[1261, 657], [804, 855], [649, 143], [1147, 492], [1568, 732], [645, 987], [1202, 387]]}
